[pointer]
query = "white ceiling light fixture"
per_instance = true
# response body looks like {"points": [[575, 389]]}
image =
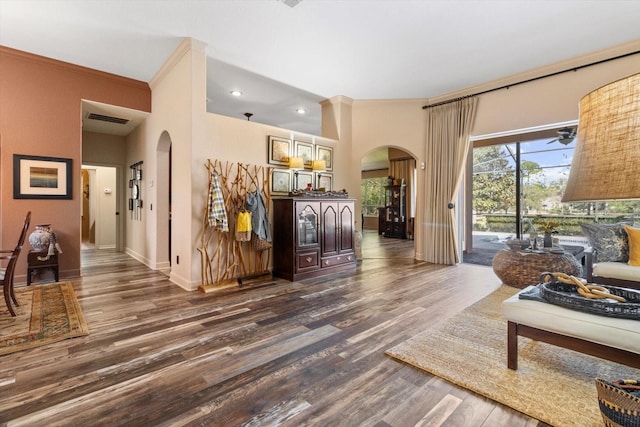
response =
{"points": [[301, 111], [236, 93], [290, 3]]}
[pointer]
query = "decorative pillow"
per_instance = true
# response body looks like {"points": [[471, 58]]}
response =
{"points": [[609, 240], [634, 244]]}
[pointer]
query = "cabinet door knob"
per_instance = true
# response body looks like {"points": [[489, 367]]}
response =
{"points": [[308, 259], [349, 258], [326, 262]]}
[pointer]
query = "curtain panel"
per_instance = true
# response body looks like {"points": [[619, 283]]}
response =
{"points": [[447, 147]]}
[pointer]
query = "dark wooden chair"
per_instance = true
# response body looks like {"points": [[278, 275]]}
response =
{"points": [[6, 274]]}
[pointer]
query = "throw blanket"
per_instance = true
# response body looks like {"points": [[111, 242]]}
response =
{"points": [[216, 213]]}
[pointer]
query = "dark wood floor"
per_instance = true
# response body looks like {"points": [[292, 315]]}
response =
{"points": [[284, 353]]}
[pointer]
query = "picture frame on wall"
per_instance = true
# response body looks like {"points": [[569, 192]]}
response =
{"points": [[304, 178], [280, 181], [279, 150], [325, 180], [38, 177], [326, 154], [304, 150]]}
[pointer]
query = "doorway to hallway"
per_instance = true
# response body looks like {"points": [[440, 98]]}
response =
{"points": [[100, 208]]}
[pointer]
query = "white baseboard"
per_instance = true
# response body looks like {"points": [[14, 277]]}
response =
{"points": [[183, 283], [138, 257]]}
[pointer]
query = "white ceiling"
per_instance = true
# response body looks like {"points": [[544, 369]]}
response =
{"points": [[283, 57]]}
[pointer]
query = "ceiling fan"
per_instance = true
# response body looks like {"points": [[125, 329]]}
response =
{"points": [[565, 136]]}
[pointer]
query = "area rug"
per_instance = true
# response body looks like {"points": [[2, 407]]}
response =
{"points": [[551, 384], [47, 313]]}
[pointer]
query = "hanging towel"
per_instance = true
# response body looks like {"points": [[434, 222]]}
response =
{"points": [[259, 221], [243, 227], [216, 213]]}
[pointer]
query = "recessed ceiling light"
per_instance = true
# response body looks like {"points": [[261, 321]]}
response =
{"points": [[301, 111], [236, 93]]}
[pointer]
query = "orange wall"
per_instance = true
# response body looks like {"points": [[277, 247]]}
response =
{"points": [[40, 114]]}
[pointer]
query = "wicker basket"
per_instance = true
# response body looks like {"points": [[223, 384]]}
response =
{"points": [[619, 402], [567, 296], [521, 269]]}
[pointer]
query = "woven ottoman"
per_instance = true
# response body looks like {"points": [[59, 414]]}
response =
{"points": [[521, 269]]}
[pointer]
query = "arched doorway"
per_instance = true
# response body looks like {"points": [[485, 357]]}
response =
{"points": [[388, 195]]}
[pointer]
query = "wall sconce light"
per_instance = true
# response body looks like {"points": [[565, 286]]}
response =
{"points": [[607, 153], [319, 166], [296, 164]]}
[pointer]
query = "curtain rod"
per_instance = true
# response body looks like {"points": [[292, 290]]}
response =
{"points": [[424, 107]]}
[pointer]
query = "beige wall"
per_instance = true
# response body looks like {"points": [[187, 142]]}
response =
{"points": [[40, 114]]}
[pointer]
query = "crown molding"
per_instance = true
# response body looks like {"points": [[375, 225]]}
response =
{"points": [[187, 45], [67, 66]]}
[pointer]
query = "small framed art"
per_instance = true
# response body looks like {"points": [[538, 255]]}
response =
{"points": [[325, 180], [304, 180], [304, 150], [37, 177], [280, 181], [326, 154], [279, 150]]}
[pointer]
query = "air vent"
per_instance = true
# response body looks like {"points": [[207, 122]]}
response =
{"points": [[110, 119]]}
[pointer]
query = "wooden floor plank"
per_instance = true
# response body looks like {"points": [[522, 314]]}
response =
{"points": [[267, 354]]}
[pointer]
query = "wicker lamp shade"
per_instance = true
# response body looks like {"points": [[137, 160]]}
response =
{"points": [[607, 155]]}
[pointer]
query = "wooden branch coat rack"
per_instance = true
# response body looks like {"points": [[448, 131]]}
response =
{"points": [[226, 261]]}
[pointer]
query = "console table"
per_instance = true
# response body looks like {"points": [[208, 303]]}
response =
{"points": [[39, 261], [521, 269]]}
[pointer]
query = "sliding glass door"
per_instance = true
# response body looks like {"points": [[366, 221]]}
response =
{"points": [[519, 185]]}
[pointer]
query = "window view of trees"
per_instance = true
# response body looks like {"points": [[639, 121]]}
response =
{"points": [[372, 191], [544, 169]]}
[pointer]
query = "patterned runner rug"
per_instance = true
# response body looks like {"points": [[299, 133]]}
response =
{"points": [[47, 313], [551, 384]]}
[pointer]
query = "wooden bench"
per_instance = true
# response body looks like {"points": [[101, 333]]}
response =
{"points": [[605, 337]]}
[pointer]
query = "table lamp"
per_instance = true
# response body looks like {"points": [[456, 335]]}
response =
{"points": [[319, 166], [296, 164]]}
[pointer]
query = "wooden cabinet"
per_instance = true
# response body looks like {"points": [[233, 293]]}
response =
{"points": [[392, 219], [312, 236]]}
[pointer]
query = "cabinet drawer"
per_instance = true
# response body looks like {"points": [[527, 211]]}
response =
{"points": [[307, 260], [338, 260]]}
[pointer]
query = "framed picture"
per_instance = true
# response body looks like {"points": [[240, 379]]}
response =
{"points": [[304, 178], [279, 151], [37, 177], [326, 154], [280, 181], [304, 150], [325, 180]]}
